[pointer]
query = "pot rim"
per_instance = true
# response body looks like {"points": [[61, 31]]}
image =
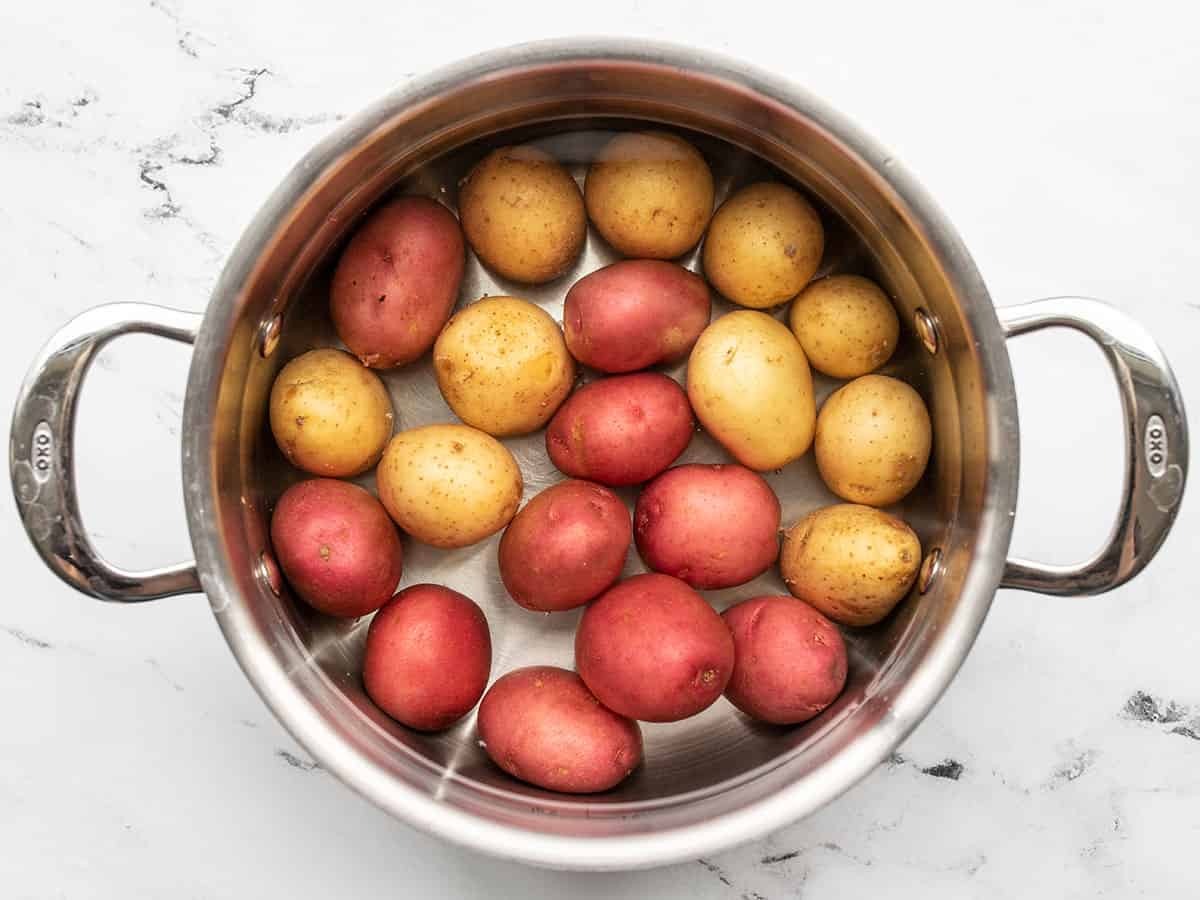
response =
{"points": [[640, 850]]}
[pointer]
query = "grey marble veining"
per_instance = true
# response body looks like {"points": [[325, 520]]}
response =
{"points": [[138, 138]]}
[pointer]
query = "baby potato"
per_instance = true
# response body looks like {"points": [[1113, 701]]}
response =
{"points": [[873, 440], [449, 485], [503, 366], [764, 245], [336, 545], [523, 214], [790, 660], [634, 314], [330, 414], [622, 430], [710, 526], [541, 724], [397, 281], [649, 194], [428, 657], [751, 388], [565, 546], [846, 325], [852, 562], [651, 648]]}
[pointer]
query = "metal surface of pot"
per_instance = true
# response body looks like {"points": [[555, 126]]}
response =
{"points": [[714, 780]]}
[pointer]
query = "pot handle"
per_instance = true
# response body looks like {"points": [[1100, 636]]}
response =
{"points": [[1156, 445], [41, 453]]}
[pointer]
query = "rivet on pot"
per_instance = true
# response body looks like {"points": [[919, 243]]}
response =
{"points": [[931, 568], [268, 335], [267, 572], [926, 330]]}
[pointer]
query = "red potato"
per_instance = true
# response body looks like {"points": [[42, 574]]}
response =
{"points": [[565, 546], [622, 430], [337, 546], [652, 649], [542, 725], [711, 526], [634, 314], [791, 660], [428, 657], [397, 281]]}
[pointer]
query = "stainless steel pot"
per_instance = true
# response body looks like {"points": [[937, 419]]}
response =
{"points": [[714, 780]]}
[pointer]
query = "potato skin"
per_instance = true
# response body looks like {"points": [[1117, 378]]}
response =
{"points": [[397, 281], [651, 648], [710, 526], [790, 660], [853, 563], [751, 388], [873, 440], [502, 365], [635, 314], [846, 325], [763, 246], [449, 485], [621, 430], [542, 725], [523, 214], [330, 414], [649, 194], [428, 657], [337, 547], [566, 546]]}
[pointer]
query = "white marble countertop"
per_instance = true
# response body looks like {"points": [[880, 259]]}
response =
{"points": [[137, 137]]}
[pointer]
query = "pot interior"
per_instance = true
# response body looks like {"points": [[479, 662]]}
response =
{"points": [[307, 665]]}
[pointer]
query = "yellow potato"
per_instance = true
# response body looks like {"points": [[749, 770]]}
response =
{"points": [[650, 194], [750, 386], [503, 366], [763, 246], [449, 485], [523, 214], [330, 414], [873, 440], [853, 563], [846, 325]]}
